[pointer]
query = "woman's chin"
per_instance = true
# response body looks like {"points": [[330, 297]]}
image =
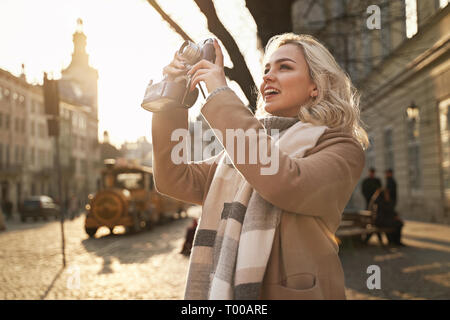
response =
{"points": [[270, 108], [279, 111]]}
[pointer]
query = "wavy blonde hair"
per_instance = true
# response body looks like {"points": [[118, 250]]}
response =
{"points": [[337, 103]]}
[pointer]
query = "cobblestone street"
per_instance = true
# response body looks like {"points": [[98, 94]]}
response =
{"points": [[145, 265], [148, 265]]}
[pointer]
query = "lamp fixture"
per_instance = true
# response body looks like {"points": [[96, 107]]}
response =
{"points": [[412, 112]]}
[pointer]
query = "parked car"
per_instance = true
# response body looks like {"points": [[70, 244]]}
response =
{"points": [[39, 206]]}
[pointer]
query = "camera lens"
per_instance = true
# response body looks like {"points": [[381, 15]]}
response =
{"points": [[191, 52]]}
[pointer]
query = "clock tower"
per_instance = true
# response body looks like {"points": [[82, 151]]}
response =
{"points": [[79, 80]]}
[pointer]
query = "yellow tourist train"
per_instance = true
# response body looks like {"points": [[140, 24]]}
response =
{"points": [[128, 198]]}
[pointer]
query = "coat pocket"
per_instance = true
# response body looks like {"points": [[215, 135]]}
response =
{"points": [[302, 286], [300, 281]]}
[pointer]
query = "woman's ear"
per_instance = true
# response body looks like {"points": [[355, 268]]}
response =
{"points": [[314, 93]]}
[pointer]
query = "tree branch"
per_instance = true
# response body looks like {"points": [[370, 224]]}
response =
{"points": [[240, 72], [169, 20]]}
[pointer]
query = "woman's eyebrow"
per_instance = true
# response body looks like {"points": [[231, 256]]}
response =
{"points": [[281, 60]]}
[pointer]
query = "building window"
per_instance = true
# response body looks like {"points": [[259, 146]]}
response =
{"points": [[32, 160], [414, 154], [385, 29], [41, 158], [82, 122], [7, 155], [442, 3], [366, 44], [444, 125], [17, 158], [411, 17], [74, 120], [370, 153], [42, 129], [388, 149], [352, 67], [340, 6], [83, 166]]}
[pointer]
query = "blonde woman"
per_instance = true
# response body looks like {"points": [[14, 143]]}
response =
{"points": [[269, 235]]}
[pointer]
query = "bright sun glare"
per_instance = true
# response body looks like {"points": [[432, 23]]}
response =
{"points": [[127, 42]]}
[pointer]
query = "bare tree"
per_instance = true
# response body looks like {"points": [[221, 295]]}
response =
{"points": [[240, 72], [272, 17]]}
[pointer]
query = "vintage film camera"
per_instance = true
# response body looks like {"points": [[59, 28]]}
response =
{"points": [[175, 93]]}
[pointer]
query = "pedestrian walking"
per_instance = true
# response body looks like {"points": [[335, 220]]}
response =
{"points": [[189, 238], [369, 185], [262, 234]]}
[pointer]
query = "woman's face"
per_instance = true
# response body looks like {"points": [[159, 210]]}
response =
{"points": [[286, 82]]}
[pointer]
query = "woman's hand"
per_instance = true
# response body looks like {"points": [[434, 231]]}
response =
{"points": [[212, 74], [176, 67]]}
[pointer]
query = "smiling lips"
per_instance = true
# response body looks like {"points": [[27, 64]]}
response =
{"points": [[270, 92]]}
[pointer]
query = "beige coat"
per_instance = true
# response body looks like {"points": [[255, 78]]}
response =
{"points": [[312, 192]]}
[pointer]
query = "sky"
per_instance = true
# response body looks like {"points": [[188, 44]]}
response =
{"points": [[127, 42]]}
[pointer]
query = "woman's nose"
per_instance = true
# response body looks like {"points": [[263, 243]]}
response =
{"points": [[268, 77]]}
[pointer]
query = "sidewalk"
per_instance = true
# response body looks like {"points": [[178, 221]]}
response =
{"points": [[421, 270]]}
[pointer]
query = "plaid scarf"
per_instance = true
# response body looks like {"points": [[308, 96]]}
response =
{"points": [[235, 234]]}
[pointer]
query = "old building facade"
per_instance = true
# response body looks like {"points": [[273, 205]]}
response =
{"points": [[27, 153], [402, 70], [80, 148]]}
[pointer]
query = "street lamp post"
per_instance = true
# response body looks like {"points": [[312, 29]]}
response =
{"points": [[51, 103]]}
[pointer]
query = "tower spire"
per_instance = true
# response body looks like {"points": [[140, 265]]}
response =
{"points": [[80, 25], [79, 55]]}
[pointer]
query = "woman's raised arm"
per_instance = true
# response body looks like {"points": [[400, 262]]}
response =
{"points": [[185, 181]]}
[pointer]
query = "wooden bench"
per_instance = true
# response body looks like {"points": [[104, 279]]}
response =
{"points": [[358, 226]]}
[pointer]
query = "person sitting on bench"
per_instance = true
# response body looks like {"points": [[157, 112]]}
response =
{"points": [[387, 217]]}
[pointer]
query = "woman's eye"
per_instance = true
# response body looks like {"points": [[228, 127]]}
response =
{"points": [[282, 66]]}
